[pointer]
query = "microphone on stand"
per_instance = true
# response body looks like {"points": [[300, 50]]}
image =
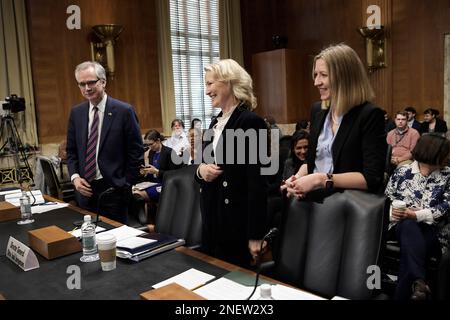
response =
{"points": [[269, 237], [97, 219], [106, 192]]}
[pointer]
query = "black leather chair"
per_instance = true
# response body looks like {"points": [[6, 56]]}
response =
{"points": [[179, 206], [56, 189], [327, 247]]}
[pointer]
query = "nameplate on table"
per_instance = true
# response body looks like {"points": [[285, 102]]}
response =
{"points": [[21, 255]]}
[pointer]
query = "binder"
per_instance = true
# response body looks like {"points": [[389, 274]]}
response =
{"points": [[163, 243]]}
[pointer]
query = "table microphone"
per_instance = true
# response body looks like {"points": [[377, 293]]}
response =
{"points": [[268, 238], [97, 219]]}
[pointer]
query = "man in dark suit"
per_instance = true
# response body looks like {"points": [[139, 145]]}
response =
{"points": [[412, 122], [104, 146]]}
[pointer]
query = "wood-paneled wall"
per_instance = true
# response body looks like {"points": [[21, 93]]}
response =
{"points": [[415, 30], [56, 50]]}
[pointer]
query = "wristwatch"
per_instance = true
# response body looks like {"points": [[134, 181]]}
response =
{"points": [[329, 183]]}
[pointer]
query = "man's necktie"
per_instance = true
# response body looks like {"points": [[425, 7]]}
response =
{"points": [[90, 168]]}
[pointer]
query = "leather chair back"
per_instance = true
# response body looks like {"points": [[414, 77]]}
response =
{"points": [[179, 206], [65, 192], [327, 247]]}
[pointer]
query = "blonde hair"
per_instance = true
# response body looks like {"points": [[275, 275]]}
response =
{"points": [[349, 83], [230, 71]]}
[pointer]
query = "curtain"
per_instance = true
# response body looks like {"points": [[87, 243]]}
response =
{"points": [[230, 30], [15, 66], [165, 65]]}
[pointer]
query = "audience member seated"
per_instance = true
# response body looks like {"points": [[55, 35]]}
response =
{"points": [[178, 141], [432, 123], [388, 123], [412, 122], [403, 139], [196, 123], [195, 145], [158, 160], [424, 186], [297, 156]]}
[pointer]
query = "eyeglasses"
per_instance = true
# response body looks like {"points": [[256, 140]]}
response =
{"points": [[90, 84]]}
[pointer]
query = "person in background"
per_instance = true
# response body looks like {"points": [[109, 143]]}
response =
{"points": [[388, 123], [195, 141], [196, 123], [178, 141], [297, 156], [233, 193], [347, 145], [403, 139], [104, 146], [158, 160], [412, 122], [432, 123], [424, 186]]}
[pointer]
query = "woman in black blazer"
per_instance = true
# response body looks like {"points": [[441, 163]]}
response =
{"points": [[348, 141], [233, 190]]}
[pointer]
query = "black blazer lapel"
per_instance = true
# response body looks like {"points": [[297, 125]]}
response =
{"points": [[348, 121], [84, 124]]}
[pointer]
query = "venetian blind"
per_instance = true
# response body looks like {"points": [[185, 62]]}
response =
{"points": [[194, 26]]}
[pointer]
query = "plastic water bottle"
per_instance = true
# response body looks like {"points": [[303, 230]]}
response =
{"points": [[265, 292], [90, 252], [25, 209]]}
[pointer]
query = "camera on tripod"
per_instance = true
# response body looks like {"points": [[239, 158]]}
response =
{"points": [[14, 104]]}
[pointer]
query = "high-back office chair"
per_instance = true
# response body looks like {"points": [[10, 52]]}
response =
{"points": [[62, 191], [179, 206], [327, 247]]}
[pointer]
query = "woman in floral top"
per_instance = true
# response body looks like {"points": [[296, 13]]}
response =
{"points": [[424, 186]]}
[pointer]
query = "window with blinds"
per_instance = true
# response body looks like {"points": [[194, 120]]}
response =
{"points": [[194, 26]]}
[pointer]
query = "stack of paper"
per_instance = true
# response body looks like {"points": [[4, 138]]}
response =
{"points": [[136, 245], [14, 197], [225, 289]]}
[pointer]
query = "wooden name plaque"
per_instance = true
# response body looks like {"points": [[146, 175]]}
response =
{"points": [[53, 242], [8, 212], [171, 291]]}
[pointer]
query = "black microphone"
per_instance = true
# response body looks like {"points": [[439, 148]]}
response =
{"points": [[97, 219], [107, 191], [268, 238]]}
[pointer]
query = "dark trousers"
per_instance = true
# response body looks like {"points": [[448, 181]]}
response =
{"points": [[418, 242], [112, 205]]}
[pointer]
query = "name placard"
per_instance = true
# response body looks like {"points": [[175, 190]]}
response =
{"points": [[21, 255]]}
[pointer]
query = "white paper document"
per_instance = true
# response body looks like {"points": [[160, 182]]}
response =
{"points": [[48, 206], [4, 193], [135, 242], [14, 198], [189, 279], [124, 232], [77, 232], [225, 289], [144, 185]]}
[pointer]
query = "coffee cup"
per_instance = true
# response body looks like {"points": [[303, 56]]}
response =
{"points": [[398, 205], [107, 251]]}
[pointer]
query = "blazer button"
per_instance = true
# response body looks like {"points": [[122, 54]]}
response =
{"points": [[200, 190], [227, 201], [225, 184]]}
